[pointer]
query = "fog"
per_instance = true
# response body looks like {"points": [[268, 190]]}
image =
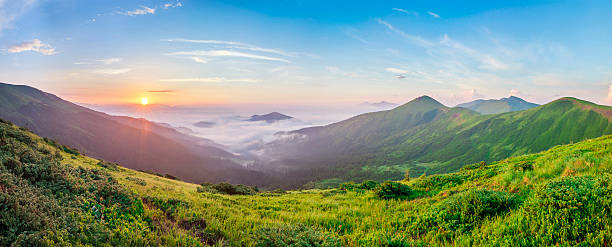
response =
{"points": [[227, 125]]}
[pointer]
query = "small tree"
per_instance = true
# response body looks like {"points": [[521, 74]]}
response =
{"points": [[407, 175]]}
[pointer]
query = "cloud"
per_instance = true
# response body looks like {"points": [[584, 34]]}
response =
{"points": [[109, 60], [111, 71], [410, 12], [11, 10], [416, 39], [486, 61], [209, 79], [144, 10], [160, 91], [336, 70], [199, 60], [396, 70], [35, 45], [610, 94], [433, 14], [233, 45], [172, 5], [226, 53]]}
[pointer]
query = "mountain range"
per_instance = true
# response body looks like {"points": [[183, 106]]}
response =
{"points": [[495, 106], [422, 135], [427, 137], [134, 143]]}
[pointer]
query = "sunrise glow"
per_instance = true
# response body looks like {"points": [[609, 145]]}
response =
{"points": [[144, 101]]}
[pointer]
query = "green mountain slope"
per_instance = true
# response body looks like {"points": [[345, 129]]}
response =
{"points": [[494, 106], [425, 136], [135, 143], [560, 197]]}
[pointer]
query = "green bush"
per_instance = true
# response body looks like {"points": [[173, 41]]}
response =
{"points": [[228, 189], [369, 185], [293, 236], [464, 211], [393, 190]]}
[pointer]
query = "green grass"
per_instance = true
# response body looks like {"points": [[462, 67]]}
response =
{"points": [[562, 196]]}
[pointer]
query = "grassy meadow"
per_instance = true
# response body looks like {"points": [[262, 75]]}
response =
{"points": [[561, 197]]}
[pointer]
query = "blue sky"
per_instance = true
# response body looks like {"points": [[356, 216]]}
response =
{"points": [[307, 52]]}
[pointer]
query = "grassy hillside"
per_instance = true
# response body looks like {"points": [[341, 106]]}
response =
{"points": [[51, 195], [427, 137]]}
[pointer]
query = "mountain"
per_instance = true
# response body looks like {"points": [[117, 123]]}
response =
{"points": [[494, 106], [426, 136], [204, 124], [381, 104], [51, 196], [270, 117], [134, 143]]}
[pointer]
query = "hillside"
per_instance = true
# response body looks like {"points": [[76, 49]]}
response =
{"points": [[495, 106], [428, 137], [135, 143], [559, 197]]}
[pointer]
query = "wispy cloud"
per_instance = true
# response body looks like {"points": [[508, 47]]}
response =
{"points": [[226, 53], [172, 5], [209, 79], [410, 12], [161, 91], [144, 10], [109, 60], [486, 61], [199, 60], [433, 14], [233, 45], [396, 70], [416, 39], [336, 70], [111, 71], [35, 45], [11, 10]]}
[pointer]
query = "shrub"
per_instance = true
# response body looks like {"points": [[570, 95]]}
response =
{"points": [[365, 185], [462, 212], [393, 190], [369, 185], [228, 189], [572, 208], [294, 236]]}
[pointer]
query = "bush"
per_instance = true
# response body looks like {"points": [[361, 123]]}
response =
{"points": [[228, 189], [572, 208], [463, 211], [393, 190], [365, 185], [369, 185], [294, 236]]}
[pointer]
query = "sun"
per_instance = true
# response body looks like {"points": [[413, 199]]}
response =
{"points": [[144, 101]]}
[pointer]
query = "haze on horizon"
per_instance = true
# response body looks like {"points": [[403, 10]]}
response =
{"points": [[190, 52]]}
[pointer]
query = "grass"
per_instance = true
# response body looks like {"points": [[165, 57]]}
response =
{"points": [[557, 197]]}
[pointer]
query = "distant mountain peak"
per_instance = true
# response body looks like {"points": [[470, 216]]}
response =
{"points": [[380, 104], [422, 103], [494, 106], [270, 117]]}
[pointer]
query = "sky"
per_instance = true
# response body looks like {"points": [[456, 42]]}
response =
{"points": [[198, 52]]}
